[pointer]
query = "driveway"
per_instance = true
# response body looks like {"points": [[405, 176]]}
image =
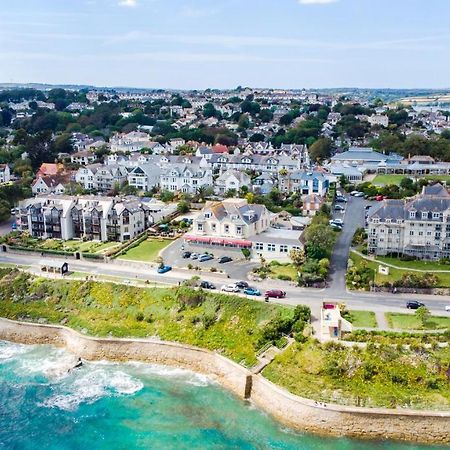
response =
{"points": [[354, 217], [6, 226]]}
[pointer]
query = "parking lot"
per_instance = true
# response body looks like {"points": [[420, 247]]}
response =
{"points": [[238, 268]]}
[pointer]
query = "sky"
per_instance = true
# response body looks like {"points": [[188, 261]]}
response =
{"points": [[198, 44]]}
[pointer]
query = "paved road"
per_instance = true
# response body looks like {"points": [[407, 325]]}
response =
{"points": [[294, 295], [353, 217]]}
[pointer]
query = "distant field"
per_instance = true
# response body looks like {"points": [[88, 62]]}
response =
{"points": [[383, 180]]}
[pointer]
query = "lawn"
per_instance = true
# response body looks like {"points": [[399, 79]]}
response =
{"points": [[230, 325], [385, 376], [411, 322], [416, 264], [146, 251], [396, 274], [283, 271], [365, 319], [383, 180]]}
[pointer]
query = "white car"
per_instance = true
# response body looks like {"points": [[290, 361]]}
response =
{"points": [[447, 308], [194, 255], [336, 222], [229, 288]]}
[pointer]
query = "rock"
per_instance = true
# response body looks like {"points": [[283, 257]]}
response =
{"points": [[64, 321]]}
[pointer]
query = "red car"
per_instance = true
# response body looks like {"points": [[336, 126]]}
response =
{"points": [[275, 293], [379, 198]]}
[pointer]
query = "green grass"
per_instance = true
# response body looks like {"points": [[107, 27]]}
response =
{"points": [[365, 319], [230, 325], [386, 376], [443, 279], [146, 251], [420, 265], [411, 322], [383, 180], [284, 270]]}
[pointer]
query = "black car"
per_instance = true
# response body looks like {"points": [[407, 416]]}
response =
{"points": [[414, 304], [225, 259], [207, 285], [242, 284], [186, 255]]}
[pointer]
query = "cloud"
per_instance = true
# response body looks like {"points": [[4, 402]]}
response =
{"points": [[316, 2], [128, 3], [197, 13]]}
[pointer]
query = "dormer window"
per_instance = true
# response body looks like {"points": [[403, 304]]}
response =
{"points": [[436, 215], [424, 215], [207, 215], [412, 214]]}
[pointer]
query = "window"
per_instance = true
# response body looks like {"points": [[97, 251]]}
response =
{"points": [[412, 214], [259, 246], [283, 248], [411, 233], [436, 215], [227, 228], [239, 230], [200, 227], [213, 227], [271, 247]]}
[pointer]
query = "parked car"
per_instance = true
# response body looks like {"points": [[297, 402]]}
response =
{"points": [[414, 304], [339, 208], [207, 285], [379, 198], [186, 255], [164, 269], [447, 308], [194, 255], [336, 226], [229, 288], [225, 259], [340, 199], [275, 293], [242, 284], [368, 206], [252, 291], [336, 222], [14, 226], [205, 257]]}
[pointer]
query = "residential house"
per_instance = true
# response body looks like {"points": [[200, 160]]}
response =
{"points": [[185, 178], [83, 157], [144, 177], [5, 173], [312, 204], [50, 184], [102, 178], [231, 180]]}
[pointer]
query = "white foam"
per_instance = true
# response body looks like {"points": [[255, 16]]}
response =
{"points": [[55, 364], [92, 386], [9, 350]]}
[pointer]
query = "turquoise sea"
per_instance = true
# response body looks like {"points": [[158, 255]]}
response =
{"points": [[132, 406]]}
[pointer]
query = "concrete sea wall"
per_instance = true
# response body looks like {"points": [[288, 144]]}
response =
{"points": [[296, 412]]}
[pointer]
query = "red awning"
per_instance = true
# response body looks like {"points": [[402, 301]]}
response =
{"points": [[216, 241], [205, 239], [237, 242]]}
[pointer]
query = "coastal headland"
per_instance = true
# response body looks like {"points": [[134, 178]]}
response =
{"points": [[294, 411]]}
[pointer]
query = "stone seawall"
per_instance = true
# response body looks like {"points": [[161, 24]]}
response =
{"points": [[296, 412]]}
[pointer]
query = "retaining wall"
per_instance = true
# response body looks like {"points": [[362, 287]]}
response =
{"points": [[296, 412]]}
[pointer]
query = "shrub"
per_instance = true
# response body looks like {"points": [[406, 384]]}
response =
{"points": [[284, 277]]}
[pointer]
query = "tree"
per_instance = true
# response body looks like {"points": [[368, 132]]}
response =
{"points": [[183, 207], [266, 115], [166, 196], [4, 210], [423, 314], [320, 150], [244, 122], [297, 256], [319, 241]]}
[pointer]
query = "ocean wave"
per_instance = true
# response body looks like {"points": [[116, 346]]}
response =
{"points": [[9, 350], [91, 386]]}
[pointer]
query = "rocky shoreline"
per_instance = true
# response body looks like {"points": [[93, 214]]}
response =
{"points": [[302, 414]]}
